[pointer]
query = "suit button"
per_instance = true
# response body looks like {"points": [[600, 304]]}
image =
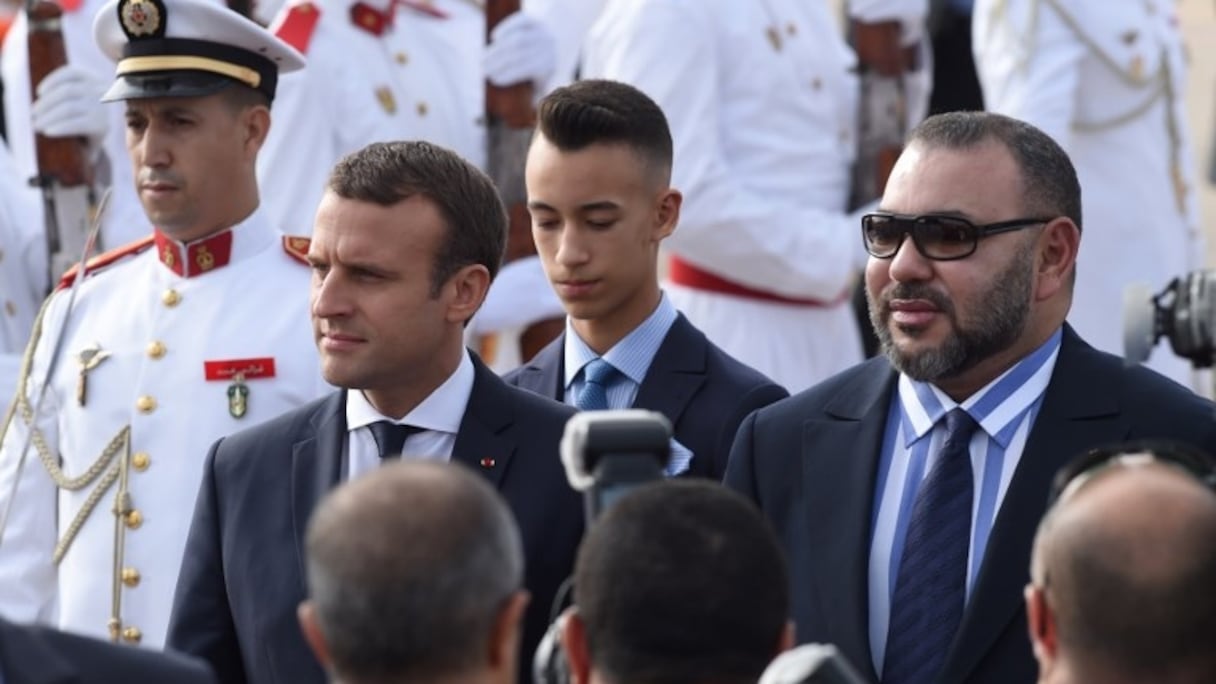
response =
{"points": [[132, 635], [171, 298], [134, 519], [130, 577], [156, 349], [141, 460], [145, 404]]}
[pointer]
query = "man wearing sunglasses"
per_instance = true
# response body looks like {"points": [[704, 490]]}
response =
{"points": [[906, 490], [1123, 575]]}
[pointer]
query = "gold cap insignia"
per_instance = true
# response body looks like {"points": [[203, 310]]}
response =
{"points": [[142, 18]]}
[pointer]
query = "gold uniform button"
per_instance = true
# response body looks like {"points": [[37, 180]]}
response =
{"points": [[156, 349], [130, 577], [171, 298], [145, 404], [402, 58], [141, 461], [134, 519], [10, 307], [422, 109], [132, 635]]}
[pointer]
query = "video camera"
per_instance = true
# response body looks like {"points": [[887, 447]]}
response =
{"points": [[1184, 313], [606, 454]]}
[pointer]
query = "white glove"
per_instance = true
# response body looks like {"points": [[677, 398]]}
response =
{"points": [[68, 103], [522, 48]]}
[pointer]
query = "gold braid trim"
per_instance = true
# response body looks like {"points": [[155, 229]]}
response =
{"points": [[21, 404]]}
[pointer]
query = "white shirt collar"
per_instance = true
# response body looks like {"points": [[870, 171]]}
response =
{"points": [[441, 411]]}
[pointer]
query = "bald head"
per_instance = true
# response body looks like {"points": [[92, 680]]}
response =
{"points": [[1128, 560], [409, 569]]}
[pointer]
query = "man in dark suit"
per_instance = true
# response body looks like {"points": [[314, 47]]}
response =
{"points": [[599, 190], [406, 242], [40, 655], [907, 489]]}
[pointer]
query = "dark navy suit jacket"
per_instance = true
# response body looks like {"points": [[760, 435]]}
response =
{"points": [[811, 461], [702, 390], [244, 568], [38, 655]]}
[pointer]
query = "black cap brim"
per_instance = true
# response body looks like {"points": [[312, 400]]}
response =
{"points": [[180, 83]]}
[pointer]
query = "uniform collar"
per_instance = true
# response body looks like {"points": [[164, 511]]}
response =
{"points": [[202, 256]]}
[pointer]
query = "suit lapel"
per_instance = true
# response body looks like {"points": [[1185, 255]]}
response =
{"points": [[316, 465], [676, 373], [544, 373], [29, 660], [1079, 411], [480, 443], [840, 455]]}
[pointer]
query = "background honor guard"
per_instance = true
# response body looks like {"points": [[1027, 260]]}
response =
{"points": [[409, 70], [157, 333], [763, 109], [67, 103], [1106, 81], [22, 260]]}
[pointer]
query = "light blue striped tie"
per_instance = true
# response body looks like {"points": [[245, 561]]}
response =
{"points": [[597, 376]]}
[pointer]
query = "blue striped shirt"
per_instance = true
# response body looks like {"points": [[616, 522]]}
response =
{"points": [[632, 356], [1005, 410]]}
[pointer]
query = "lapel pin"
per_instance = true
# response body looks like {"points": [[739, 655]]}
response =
{"points": [[487, 463]]}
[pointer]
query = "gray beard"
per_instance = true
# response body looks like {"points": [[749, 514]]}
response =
{"points": [[992, 328]]}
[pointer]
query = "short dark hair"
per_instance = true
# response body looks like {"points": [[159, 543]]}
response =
{"points": [[1108, 607], [1049, 180], [239, 96], [681, 581], [386, 173], [409, 569], [593, 111]]}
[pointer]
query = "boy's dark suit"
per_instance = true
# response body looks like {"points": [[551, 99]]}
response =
{"points": [[811, 462], [243, 574], [703, 391]]}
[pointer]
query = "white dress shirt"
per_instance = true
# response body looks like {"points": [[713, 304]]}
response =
{"points": [[439, 416]]}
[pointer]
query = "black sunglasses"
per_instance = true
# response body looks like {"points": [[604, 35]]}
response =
{"points": [[941, 238], [1080, 470]]}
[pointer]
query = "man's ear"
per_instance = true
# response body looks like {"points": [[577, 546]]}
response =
{"points": [[788, 639], [1058, 245], [574, 643], [468, 288], [505, 635], [255, 122], [306, 613], [1042, 627], [667, 214]]}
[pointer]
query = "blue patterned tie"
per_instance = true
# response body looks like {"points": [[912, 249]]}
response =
{"points": [[390, 437], [930, 589], [597, 376]]}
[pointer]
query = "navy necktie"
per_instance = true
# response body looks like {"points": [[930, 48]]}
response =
{"points": [[597, 376], [930, 589], [390, 437]]}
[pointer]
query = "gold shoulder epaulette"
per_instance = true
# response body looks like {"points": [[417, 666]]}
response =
{"points": [[105, 259]]}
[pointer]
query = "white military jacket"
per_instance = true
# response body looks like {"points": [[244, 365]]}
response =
{"points": [[1106, 80], [163, 353]]}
